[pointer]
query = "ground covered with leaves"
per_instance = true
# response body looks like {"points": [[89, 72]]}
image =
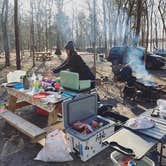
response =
{"points": [[16, 149]]}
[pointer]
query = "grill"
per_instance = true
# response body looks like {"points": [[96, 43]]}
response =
{"points": [[149, 90]]}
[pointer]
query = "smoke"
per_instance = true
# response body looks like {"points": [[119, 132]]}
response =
{"points": [[135, 58], [63, 26]]}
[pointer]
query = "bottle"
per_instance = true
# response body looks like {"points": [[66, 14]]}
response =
{"points": [[26, 83], [36, 85]]}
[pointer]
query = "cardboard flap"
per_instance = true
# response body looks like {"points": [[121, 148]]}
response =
{"points": [[79, 108]]}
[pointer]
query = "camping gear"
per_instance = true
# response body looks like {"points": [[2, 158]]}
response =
{"points": [[83, 109], [70, 80], [11, 84], [18, 85], [130, 143], [123, 160], [39, 110]]}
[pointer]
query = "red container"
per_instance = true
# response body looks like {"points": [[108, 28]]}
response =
{"points": [[41, 111]]}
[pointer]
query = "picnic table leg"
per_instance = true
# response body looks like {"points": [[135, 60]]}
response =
{"points": [[52, 117], [12, 103]]}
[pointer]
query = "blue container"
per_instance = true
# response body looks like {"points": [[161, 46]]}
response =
{"points": [[19, 85]]}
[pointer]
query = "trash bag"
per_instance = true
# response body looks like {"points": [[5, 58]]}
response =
{"points": [[56, 148]]}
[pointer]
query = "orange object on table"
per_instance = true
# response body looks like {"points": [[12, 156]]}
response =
{"points": [[40, 95]]}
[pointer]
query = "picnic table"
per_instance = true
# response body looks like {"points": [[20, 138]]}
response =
{"points": [[21, 98], [158, 132], [43, 56], [138, 142]]}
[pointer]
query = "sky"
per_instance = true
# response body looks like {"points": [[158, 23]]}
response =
{"points": [[68, 5]]}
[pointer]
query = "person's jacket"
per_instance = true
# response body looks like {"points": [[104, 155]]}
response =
{"points": [[76, 64]]}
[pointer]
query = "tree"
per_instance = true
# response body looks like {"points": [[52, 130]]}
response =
{"points": [[16, 27], [105, 27], [162, 10], [32, 35], [94, 34], [59, 4], [4, 22], [129, 11], [138, 22]]}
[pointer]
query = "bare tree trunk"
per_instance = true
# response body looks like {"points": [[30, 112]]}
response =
{"points": [[138, 23], [105, 28], [4, 22], [116, 24], [163, 37], [49, 25], [151, 26], [125, 42], [147, 28], [32, 42], [162, 3], [156, 32], [94, 35], [109, 23], [131, 5], [16, 26]]}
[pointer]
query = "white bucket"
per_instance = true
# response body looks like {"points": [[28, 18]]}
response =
{"points": [[116, 157]]}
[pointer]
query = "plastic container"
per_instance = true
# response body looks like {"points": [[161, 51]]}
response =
{"points": [[18, 85], [117, 159], [41, 111], [84, 108]]}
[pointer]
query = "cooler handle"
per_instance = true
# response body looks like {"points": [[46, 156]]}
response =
{"points": [[124, 150]]}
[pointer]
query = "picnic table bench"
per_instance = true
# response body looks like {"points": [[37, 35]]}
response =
{"points": [[43, 56]]}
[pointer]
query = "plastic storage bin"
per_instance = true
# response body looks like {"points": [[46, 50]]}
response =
{"points": [[117, 157]]}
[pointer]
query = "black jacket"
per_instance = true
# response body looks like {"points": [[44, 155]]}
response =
{"points": [[77, 65]]}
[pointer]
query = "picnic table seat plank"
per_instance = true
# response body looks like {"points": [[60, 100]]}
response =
{"points": [[23, 125]]}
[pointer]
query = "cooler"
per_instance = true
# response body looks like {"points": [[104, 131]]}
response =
{"points": [[84, 109]]}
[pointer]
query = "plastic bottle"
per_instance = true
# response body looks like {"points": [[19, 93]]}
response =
{"points": [[36, 85]]}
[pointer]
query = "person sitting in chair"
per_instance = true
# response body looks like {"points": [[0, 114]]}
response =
{"points": [[75, 63]]}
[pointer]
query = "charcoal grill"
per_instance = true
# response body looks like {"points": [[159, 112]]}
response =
{"points": [[150, 91]]}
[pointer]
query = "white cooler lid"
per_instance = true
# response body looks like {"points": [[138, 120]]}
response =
{"points": [[79, 108], [127, 139]]}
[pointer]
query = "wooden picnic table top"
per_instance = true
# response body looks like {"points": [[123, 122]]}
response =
{"points": [[25, 95]]}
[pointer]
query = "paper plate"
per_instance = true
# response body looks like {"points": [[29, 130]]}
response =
{"points": [[140, 123]]}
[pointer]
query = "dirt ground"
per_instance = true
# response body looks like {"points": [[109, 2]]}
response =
{"points": [[16, 150]]}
